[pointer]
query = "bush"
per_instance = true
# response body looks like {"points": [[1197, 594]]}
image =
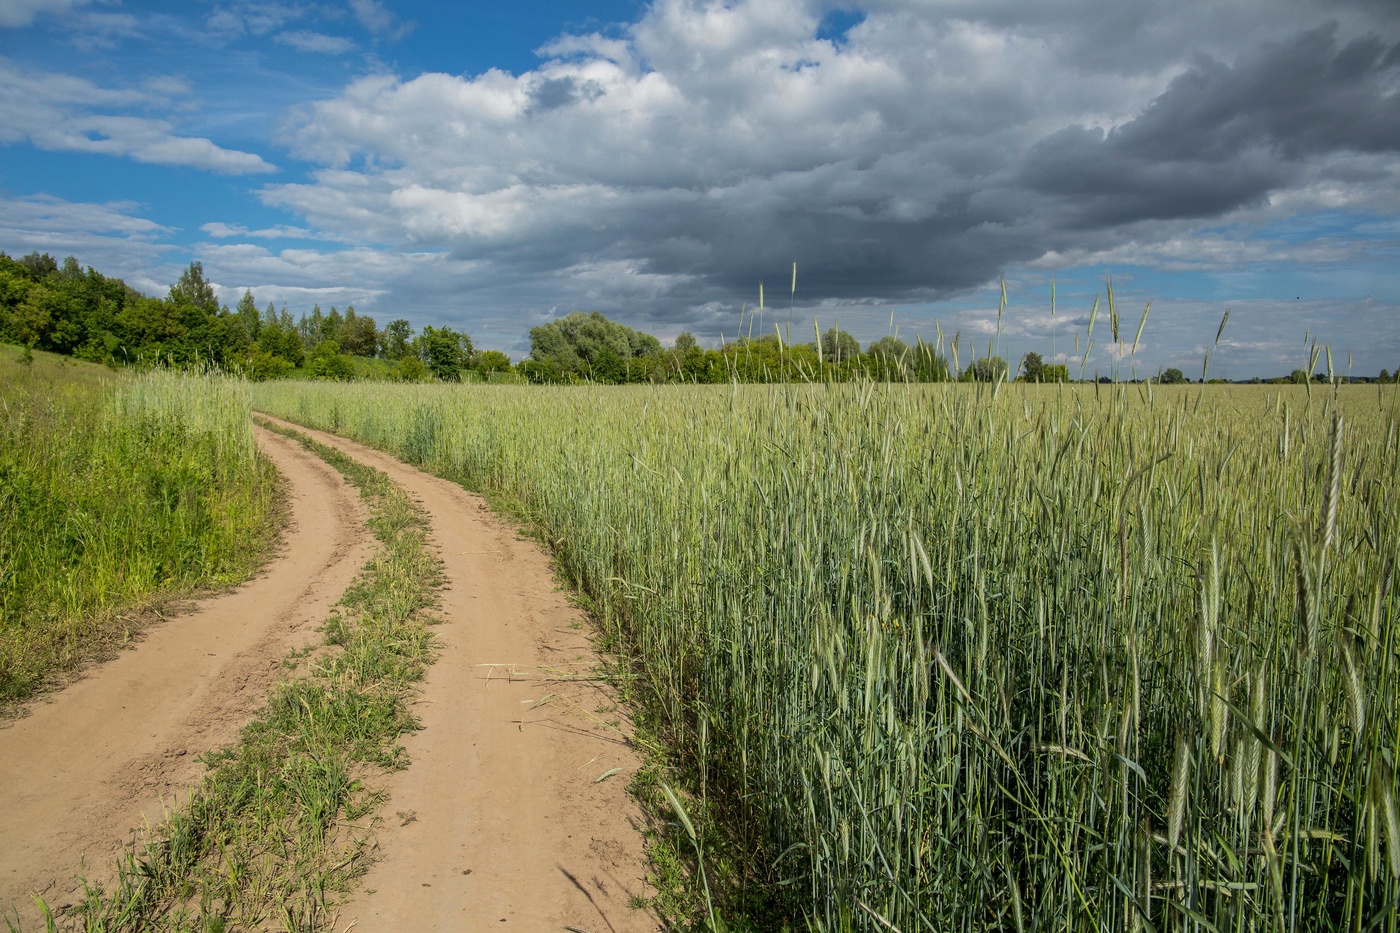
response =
{"points": [[327, 362]]}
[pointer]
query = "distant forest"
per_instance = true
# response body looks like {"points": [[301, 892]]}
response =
{"points": [[63, 308], [82, 313]]}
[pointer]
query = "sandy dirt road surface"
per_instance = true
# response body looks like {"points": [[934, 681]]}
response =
{"points": [[94, 761], [500, 822]]}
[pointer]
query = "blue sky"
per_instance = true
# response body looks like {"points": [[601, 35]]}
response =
{"points": [[491, 166]]}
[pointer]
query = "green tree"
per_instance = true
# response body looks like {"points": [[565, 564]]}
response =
{"points": [[985, 369], [282, 319], [609, 366], [445, 351], [696, 364], [14, 286], [591, 346], [891, 348], [83, 313], [1032, 366], [32, 319], [193, 289], [760, 359], [249, 320], [889, 358], [839, 347], [398, 335], [281, 342], [542, 372], [357, 334], [491, 361], [330, 325], [309, 327], [261, 366], [327, 362], [148, 326], [39, 265], [686, 361], [1035, 369], [1172, 377], [929, 366], [411, 369]]}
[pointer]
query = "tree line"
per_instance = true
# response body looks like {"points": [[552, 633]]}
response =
{"points": [[63, 308], [591, 348]]}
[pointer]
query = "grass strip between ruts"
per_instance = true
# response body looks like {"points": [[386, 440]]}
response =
{"points": [[283, 818]]}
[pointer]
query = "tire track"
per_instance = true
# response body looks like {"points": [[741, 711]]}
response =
{"points": [[91, 764], [500, 822]]}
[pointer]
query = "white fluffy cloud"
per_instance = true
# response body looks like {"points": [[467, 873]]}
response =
{"points": [[251, 17], [304, 40], [22, 12], [223, 231], [62, 112], [1213, 252], [379, 20], [39, 216]]}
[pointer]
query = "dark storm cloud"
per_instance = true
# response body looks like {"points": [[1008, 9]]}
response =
{"points": [[1300, 98], [1099, 182], [1222, 137]]}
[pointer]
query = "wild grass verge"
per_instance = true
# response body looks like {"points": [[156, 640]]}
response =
{"points": [[117, 495], [282, 821]]}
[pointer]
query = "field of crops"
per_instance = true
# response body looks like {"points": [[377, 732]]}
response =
{"points": [[114, 491], [1114, 658]]}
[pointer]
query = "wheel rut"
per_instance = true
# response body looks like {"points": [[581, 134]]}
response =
{"points": [[92, 764], [513, 813], [500, 822]]}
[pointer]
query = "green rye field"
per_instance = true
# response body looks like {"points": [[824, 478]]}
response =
{"points": [[980, 658]]}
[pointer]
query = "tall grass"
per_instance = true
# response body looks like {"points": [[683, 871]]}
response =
{"points": [[113, 494], [965, 659]]}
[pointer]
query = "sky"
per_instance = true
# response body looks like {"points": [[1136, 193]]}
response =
{"points": [[493, 166]]}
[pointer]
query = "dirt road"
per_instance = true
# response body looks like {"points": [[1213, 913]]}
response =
{"points": [[92, 762], [499, 823]]}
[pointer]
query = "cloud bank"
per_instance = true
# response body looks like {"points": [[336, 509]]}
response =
{"points": [[907, 153]]}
